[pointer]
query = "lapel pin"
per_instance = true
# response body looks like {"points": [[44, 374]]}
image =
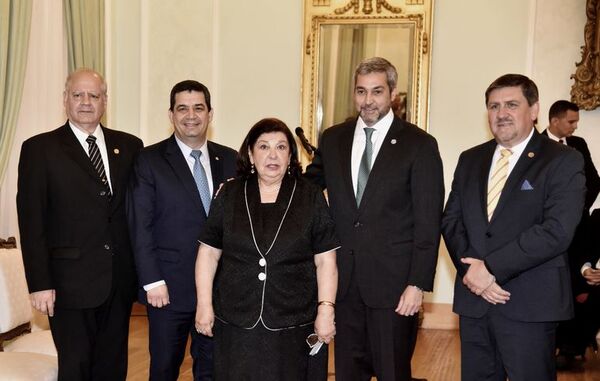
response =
{"points": [[393, 141], [530, 155], [116, 151], [216, 158]]}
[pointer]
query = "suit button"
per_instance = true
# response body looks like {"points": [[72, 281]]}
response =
{"points": [[357, 224], [262, 262], [351, 252], [262, 276], [103, 193], [107, 247], [488, 234]]}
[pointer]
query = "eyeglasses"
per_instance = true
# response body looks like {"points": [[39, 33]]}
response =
{"points": [[312, 340]]}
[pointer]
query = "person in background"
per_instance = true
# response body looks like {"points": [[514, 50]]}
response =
{"points": [[571, 336], [266, 272], [168, 203], [74, 239]]}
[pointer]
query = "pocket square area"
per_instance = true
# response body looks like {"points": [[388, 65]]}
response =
{"points": [[526, 186]]}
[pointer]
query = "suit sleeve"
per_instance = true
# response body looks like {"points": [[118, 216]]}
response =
{"points": [[315, 172], [453, 228], [141, 201], [32, 210], [592, 180], [551, 237], [427, 190]]}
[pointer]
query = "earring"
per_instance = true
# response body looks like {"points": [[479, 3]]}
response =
{"points": [[252, 168], [289, 170]]}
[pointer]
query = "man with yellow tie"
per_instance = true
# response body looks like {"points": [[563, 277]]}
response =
{"points": [[511, 214]]}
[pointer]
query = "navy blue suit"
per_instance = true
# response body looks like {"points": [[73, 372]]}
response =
{"points": [[166, 218]]}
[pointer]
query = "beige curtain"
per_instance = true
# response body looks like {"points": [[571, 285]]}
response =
{"points": [[15, 21], [84, 23]]}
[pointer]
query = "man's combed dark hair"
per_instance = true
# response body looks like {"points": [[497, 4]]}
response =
{"points": [[528, 87], [189, 85], [560, 108], [265, 126]]}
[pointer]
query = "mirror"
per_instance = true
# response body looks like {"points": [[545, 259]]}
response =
{"points": [[340, 34]]}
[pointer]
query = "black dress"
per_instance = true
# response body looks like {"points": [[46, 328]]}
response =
{"points": [[265, 299]]}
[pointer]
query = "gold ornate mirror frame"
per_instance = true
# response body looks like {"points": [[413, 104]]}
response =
{"points": [[414, 17]]}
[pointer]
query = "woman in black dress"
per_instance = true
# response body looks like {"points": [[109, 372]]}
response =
{"points": [[266, 273]]}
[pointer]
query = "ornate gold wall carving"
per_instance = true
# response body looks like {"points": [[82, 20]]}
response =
{"points": [[586, 89]]}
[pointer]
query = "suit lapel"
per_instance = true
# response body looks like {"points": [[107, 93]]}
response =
{"points": [[74, 150], [515, 178], [177, 162], [485, 165], [345, 160], [383, 160], [216, 167], [114, 152]]}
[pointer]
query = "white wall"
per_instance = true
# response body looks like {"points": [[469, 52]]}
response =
{"points": [[249, 54]]}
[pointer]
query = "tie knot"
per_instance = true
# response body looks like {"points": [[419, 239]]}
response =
{"points": [[369, 132], [562, 141], [196, 153], [505, 152], [91, 139]]}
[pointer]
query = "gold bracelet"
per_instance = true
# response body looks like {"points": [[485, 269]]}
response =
{"points": [[326, 303]]}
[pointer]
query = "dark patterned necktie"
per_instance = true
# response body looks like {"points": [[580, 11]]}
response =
{"points": [[97, 163], [365, 166]]}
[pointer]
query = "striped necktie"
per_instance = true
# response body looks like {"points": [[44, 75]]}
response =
{"points": [[97, 163], [497, 181], [365, 166], [201, 180]]}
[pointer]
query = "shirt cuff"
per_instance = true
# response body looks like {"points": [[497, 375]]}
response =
{"points": [[152, 285], [585, 266]]}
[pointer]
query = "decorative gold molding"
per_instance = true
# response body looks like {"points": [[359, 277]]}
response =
{"points": [[412, 14], [368, 7], [586, 89]]}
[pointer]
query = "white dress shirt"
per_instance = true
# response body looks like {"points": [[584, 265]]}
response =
{"points": [[100, 142], [205, 161], [512, 159], [358, 143]]}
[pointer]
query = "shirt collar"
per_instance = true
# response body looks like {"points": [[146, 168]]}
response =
{"points": [[187, 150], [519, 148], [552, 136], [384, 122], [82, 135]]}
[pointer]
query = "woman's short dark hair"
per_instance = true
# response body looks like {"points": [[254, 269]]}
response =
{"points": [[265, 126]]}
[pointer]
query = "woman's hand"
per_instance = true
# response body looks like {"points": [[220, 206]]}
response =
{"points": [[205, 320], [325, 324]]}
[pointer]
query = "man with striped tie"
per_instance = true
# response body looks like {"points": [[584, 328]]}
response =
{"points": [[167, 206], [74, 239], [511, 214]]}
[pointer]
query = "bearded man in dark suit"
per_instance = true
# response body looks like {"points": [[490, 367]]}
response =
{"points": [[76, 249], [510, 217], [385, 186]]}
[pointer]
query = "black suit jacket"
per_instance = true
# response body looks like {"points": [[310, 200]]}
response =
{"points": [[392, 240], [583, 241], [166, 217], [73, 237], [525, 243]]}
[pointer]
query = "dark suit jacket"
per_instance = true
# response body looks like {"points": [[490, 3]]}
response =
{"points": [[73, 237], [525, 244], [392, 240], [583, 242], [166, 217]]}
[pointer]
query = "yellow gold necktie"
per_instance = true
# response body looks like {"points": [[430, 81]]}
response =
{"points": [[497, 181]]}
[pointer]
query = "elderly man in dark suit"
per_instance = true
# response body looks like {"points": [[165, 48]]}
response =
{"points": [[385, 185], [168, 203], [512, 212], [76, 249], [571, 338]]}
